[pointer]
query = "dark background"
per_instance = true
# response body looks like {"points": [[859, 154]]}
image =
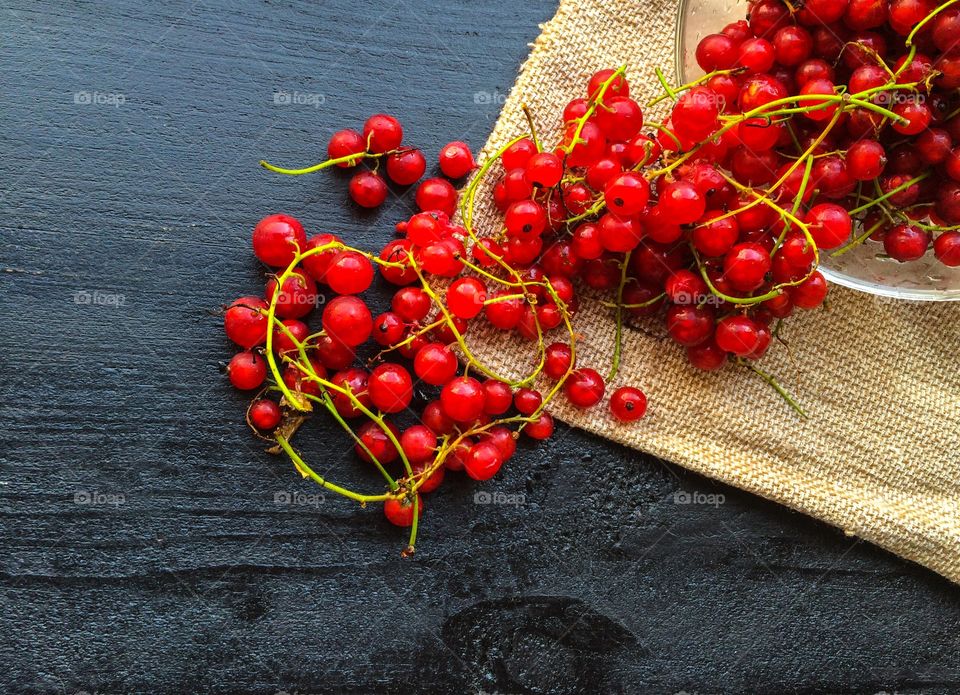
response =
{"points": [[142, 547]]}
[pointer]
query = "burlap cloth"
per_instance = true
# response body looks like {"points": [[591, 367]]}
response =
{"points": [[879, 456]]}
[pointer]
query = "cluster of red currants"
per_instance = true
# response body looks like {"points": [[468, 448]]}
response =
{"points": [[382, 139], [814, 128], [895, 169]]}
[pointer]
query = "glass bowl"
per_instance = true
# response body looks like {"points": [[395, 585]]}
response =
{"points": [[864, 268]]}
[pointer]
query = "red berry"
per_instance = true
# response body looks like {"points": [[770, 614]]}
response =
{"points": [[245, 321], [349, 272], [681, 202], [544, 169], [437, 420], [437, 194], [277, 238], [628, 404], [716, 52], [377, 442], [527, 401], [383, 132], [810, 293], [368, 190], [435, 364], [434, 480], [627, 194], [399, 512], [483, 461], [947, 248], [465, 297], [297, 297], [348, 320], [737, 334], [419, 444], [355, 381], [498, 397], [333, 353], [525, 217], [264, 414], [317, 264], [557, 360], [456, 160], [463, 399], [283, 340], [344, 143], [541, 428], [406, 167], [504, 314], [690, 324], [905, 242], [518, 154], [829, 225], [584, 388], [866, 160], [503, 439], [746, 265], [616, 88], [707, 356], [247, 370], [411, 304]]}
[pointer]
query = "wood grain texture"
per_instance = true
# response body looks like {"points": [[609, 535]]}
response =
{"points": [[143, 550]]}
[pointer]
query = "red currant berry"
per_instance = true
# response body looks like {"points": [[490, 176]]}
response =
{"points": [[411, 304], [947, 248], [737, 334], [388, 329], [286, 341], [829, 225], [541, 428], [419, 444], [584, 388], [435, 364], [618, 87], [297, 296], [433, 481], [810, 293], [456, 160], [355, 381], [348, 320], [681, 202], [465, 297], [406, 167], [247, 370], [344, 143], [557, 360], [483, 461], [527, 401], [627, 194], [368, 190], [525, 218], [707, 356], [504, 313], [277, 239], [245, 321], [333, 353], [628, 404], [437, 194], [746, 265], [264, 414], [383, 132], [399, 512], [349, 272], [690, 324], [866, 160], [316, 264], [518, 154], [463, 399], [390, 388], [503, 439], [906, 242], [544, 169], [498, 397]]}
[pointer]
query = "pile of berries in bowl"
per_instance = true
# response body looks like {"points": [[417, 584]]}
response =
{"points": [[899, 54]]}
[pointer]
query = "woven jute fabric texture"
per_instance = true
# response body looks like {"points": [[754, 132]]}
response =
{"points": [[879, 456]]}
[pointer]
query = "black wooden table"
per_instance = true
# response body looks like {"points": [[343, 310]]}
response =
{"points": [[146, 545]]}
